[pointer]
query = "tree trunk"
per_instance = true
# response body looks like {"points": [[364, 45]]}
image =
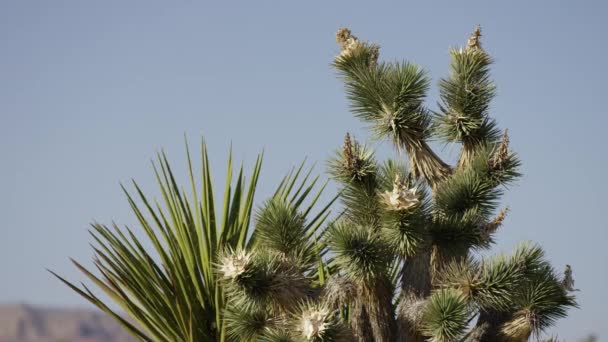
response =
{"points": [[372, 315], [382, 312], [415, 288], [416, 275], [360, 323]]}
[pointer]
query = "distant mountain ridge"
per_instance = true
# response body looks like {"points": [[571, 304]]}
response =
{"points": [[27, 323]]}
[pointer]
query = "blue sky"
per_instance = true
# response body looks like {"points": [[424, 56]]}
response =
{"points": [[90, 90]]}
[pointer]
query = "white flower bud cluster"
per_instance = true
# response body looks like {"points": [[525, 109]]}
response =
{"points": [[313, 323], [474, 41], [234, 264], [347, 42], [401, 198]]}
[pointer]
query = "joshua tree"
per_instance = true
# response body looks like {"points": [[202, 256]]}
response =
{"points": [[406, 244], [400, 262]]}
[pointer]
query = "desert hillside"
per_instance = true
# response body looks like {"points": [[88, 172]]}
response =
{"points": [[25, 323]]}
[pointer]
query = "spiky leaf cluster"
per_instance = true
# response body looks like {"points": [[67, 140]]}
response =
{"points": [[354, 163], [446, 316], [538, 305], [281, 228], [359, 251], [248, 325]]}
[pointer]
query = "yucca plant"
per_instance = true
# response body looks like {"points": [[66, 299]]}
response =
{"points": [[173, 292], [406, 245]]}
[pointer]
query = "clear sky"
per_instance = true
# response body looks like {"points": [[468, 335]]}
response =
{"points": [[90, 90]]}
